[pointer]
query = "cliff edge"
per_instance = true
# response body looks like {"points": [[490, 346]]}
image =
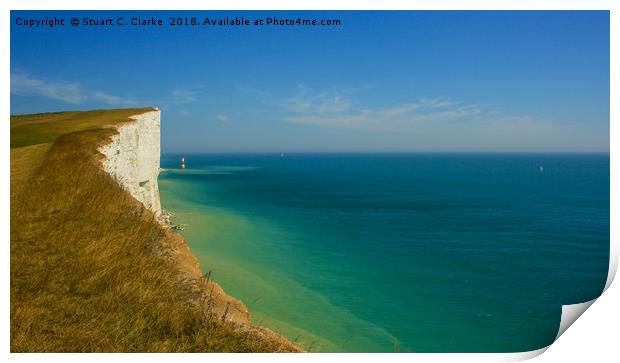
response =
{"points": [[92, 268], [132, 158]]}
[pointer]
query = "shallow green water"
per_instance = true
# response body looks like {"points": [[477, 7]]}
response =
{"points": [[399, 252]]}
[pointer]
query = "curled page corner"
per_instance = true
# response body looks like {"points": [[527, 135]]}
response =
{"points": [[570, 314], [613, 265], [522, 356]]}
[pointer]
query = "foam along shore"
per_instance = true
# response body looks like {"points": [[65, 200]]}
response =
{"points": [[85, 219]]}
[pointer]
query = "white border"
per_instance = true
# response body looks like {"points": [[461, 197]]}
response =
{"points": [[595, 338]]}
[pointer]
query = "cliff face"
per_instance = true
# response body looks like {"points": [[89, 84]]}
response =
{"points": [[132, 158]]}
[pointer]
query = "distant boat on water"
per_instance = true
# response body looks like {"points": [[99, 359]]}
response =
{"points": [[182, 162], [541, 169]]}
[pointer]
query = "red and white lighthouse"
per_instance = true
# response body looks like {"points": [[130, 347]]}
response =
{"points": [[182, 162]]}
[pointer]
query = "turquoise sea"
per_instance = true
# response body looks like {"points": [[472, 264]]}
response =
{"points": [[399, 252]]}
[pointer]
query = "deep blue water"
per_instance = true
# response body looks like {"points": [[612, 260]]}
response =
{"points": [[409, 252]]}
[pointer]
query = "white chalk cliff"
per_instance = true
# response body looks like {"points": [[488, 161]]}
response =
{"points": [[132, 158]]}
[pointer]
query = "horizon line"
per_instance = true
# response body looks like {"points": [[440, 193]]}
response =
{"points": [[389, 152]]}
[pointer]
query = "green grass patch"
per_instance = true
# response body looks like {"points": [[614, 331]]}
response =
{"points": [[90, 266]]}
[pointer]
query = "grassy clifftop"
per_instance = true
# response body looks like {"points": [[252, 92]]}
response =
{"points": [[91, 269]]}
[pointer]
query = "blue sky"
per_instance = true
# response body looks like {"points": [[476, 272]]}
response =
{"points": [[382, 81]]}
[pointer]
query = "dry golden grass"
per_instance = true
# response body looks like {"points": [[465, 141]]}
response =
{"points": [[91, 269]]}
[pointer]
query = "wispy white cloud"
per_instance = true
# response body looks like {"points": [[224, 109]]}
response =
{"points": [[180, 95], [110, 99], [223, 116], [25, 84], [432, 123], [321, 103], [336, 110]]}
